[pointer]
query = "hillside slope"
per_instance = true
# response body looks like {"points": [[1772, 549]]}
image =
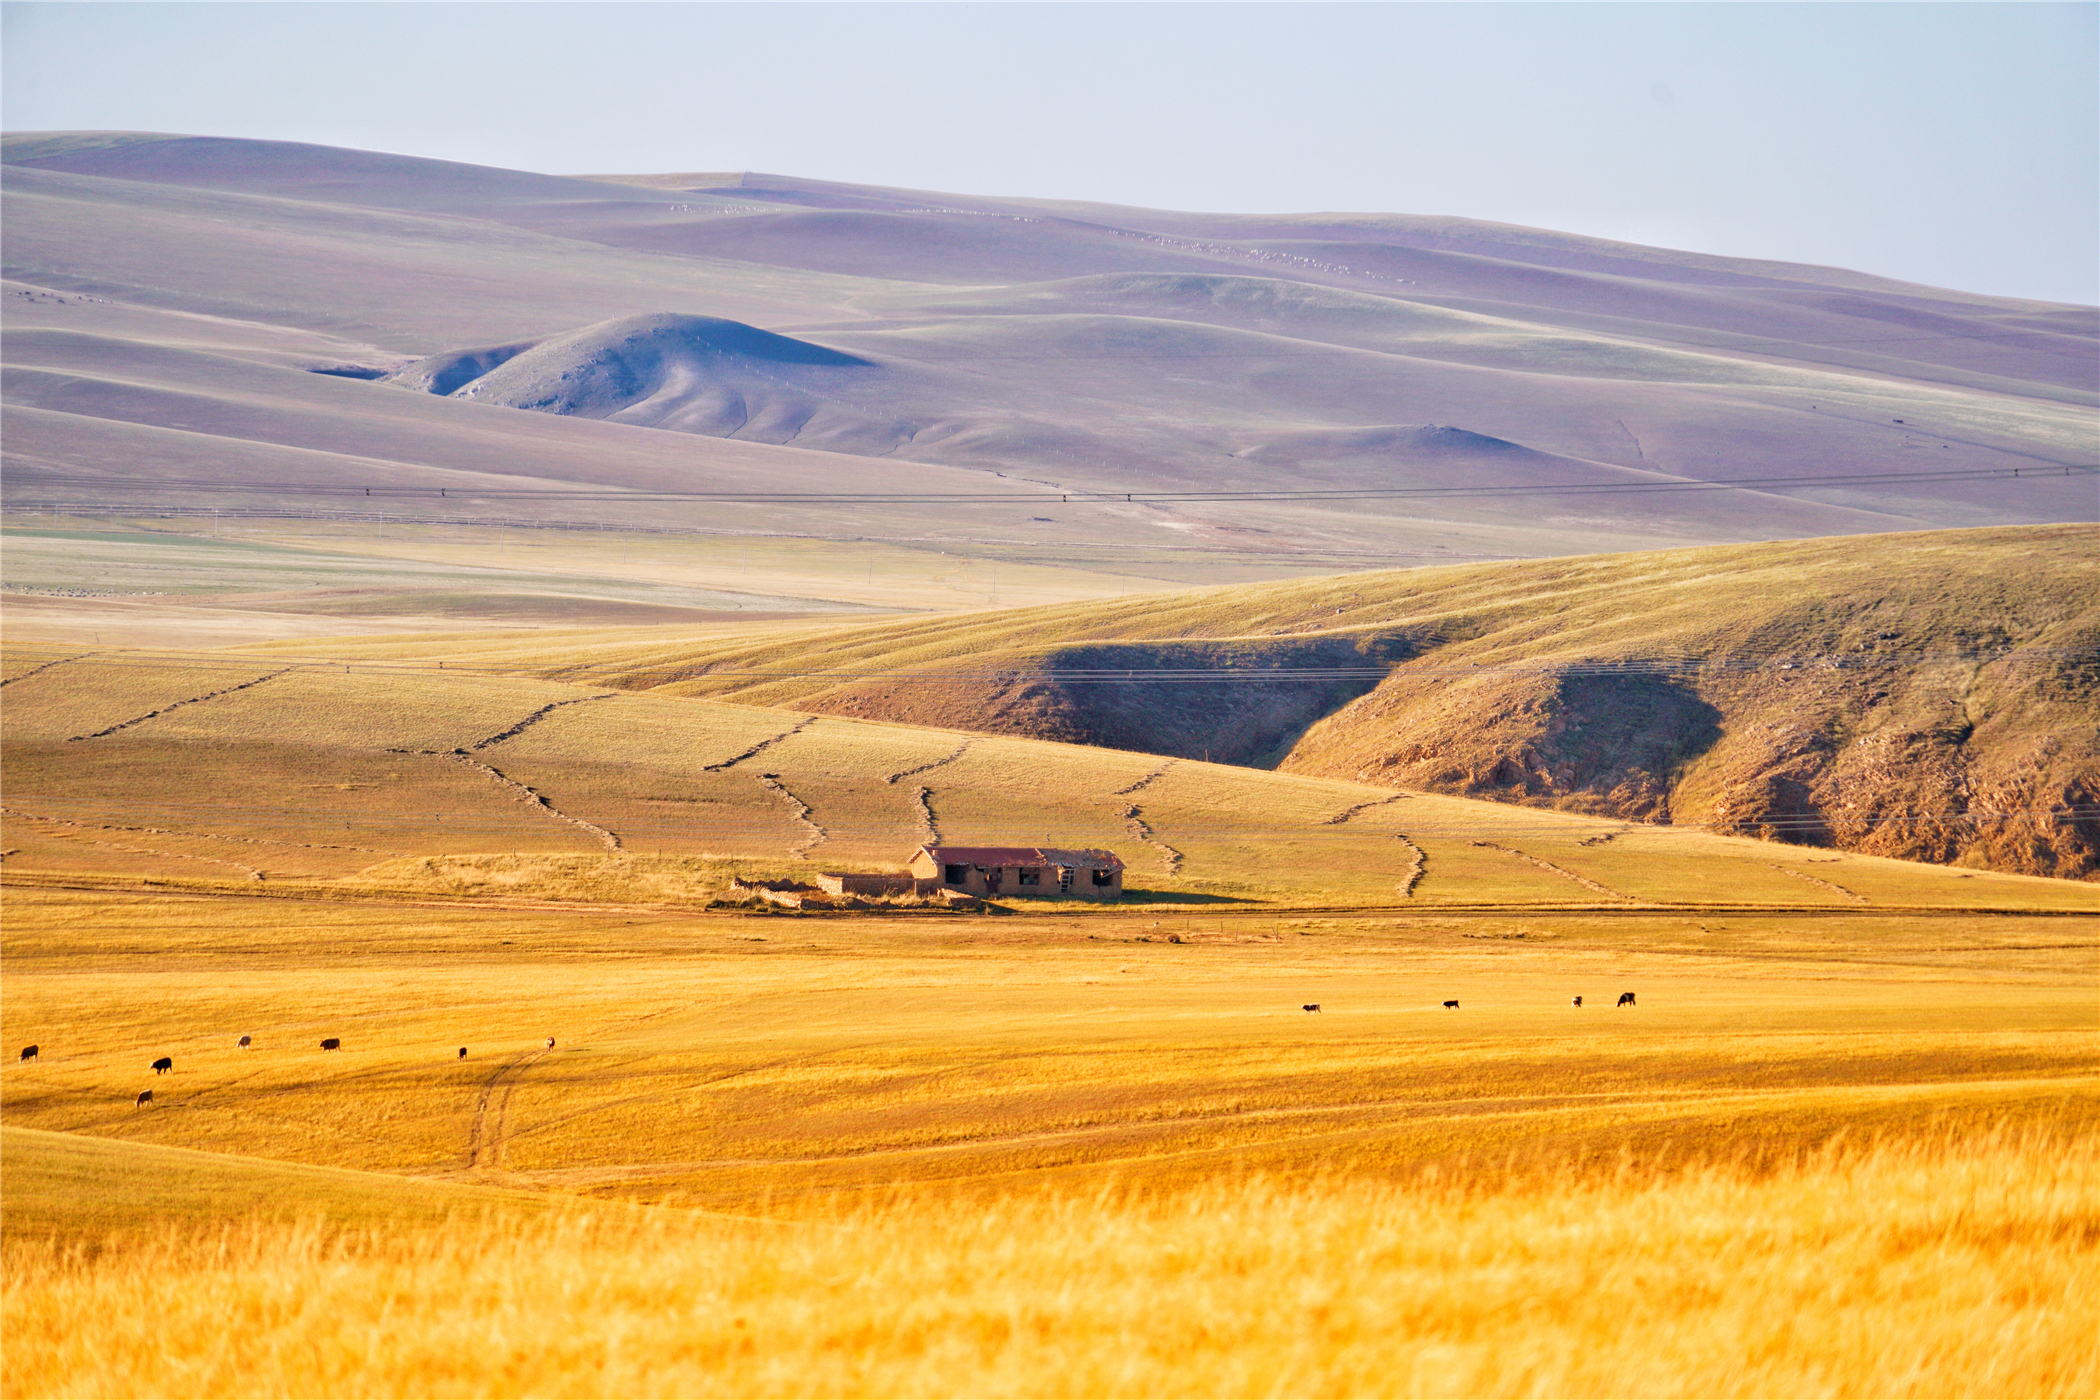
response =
{"points": [[1930, 696], [1002, 373]]}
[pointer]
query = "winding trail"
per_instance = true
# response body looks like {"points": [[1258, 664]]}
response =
{"points": [[1347, 812], [38, 670], [801, 811], [960, 750], [1134, 817], [486, 1139], [1550, 868], [524, 792], [534, 718], [1832, 886], [248, 870], [758, 748], [532, 797], [1142, 783], [192, 700], [922, 798], [1418, 866]]}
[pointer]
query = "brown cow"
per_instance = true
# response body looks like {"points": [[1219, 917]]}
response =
{"points": [[245, 1041], [29, 1052], [1577, 1003], [463, 1052], [1310, 1006], [145, 1097], [1626, 998]]}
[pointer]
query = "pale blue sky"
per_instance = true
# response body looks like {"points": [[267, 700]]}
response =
{"points": [[1954, 144]]}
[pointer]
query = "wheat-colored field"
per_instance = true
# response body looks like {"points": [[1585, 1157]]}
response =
{"points": [[1841, 1143], [1930, 1268]]}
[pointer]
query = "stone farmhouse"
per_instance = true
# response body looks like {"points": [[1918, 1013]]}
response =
{"points": [[1004, 871]]}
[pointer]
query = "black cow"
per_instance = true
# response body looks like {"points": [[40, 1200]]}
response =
{"points": [[145, 1097], [163, 1065], [331, 1044], [463, 1052], [29, 1052], [245, 1041], [1626, 998], [1450, 1006], [1310, 1006], [550, 1042], [1577, 1003]]}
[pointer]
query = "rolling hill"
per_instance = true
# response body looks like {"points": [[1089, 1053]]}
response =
{"points": [[196, 323], [1929, 696]]}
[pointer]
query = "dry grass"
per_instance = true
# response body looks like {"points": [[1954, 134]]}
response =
{"points": [[1922, 1268], [354, 774]]}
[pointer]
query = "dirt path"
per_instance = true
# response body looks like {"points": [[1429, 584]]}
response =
{"points": [[192, 700], [758, 748], [488, 1136], [248, 870], [1550, 868], [1142, 783], [1134, 817], [922, 798], [801, 811], [39, 670], [533, 797], [1818, 880], [534, 718], [1347, 812], [1418, 866], [960, 750]]}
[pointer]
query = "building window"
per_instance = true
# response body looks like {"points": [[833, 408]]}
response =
{"points": [[1031, 876], [955, 874], [1104, 878]]}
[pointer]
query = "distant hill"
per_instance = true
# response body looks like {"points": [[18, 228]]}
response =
{"points": [[1325, 384], [1932, 696]]}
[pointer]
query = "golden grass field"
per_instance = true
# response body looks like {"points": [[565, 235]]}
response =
{"points": [[1842, 1145]]}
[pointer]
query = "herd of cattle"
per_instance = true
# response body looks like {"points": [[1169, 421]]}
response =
{"points": [[166, 1063], [1625, 999]]}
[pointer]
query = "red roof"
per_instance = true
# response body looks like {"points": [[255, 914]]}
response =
{"points": [[996, 856]]}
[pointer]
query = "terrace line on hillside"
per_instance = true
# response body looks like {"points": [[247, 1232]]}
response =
{"points": [[1022, 870]]}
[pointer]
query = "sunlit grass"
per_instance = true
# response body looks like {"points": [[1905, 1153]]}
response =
{"points": [[1928, 1267]]}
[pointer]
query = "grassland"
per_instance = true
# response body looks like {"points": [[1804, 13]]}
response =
{"points": [[1926, 696], [1824, 1153], [1842, 1143], [269, 769], [1902, 1271]]}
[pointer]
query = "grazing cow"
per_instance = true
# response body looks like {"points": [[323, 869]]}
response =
{"points": [[29, 1052], [1577, 1003], [1626, 998], [245, 1041], [463, 1052], [331, 1044], [1450, 1006], [145, 1097], [1311, 1006], [163, 1065]]}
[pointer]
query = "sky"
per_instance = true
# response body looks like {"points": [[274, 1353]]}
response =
{"points": [[1951, 144]]}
